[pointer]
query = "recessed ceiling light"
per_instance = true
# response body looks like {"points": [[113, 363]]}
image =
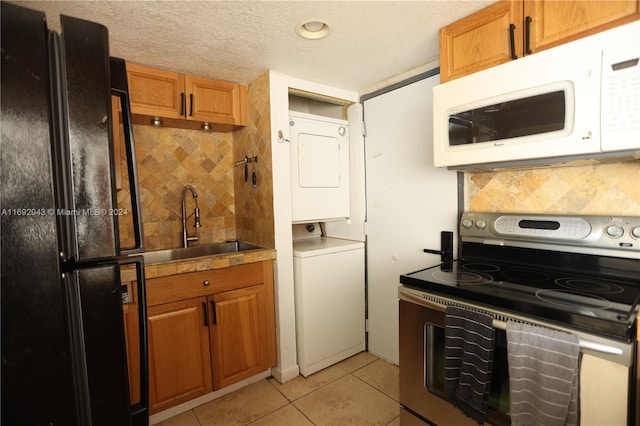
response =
{"points": [[313, 29]]}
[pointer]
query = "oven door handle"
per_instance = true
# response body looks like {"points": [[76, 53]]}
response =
{"points": [[411, 296], [584, 344]]}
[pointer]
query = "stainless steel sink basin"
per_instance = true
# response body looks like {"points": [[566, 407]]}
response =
{"points": [[168, 255]]}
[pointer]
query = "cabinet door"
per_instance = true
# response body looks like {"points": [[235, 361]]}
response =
{"points": [[179, 357], [239, 335], [215, 101], [155, 92], [557, 22], [132, 337], [481, 40]]}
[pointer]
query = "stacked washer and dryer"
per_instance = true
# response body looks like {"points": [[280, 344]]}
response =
{"points": [[328, 272]]}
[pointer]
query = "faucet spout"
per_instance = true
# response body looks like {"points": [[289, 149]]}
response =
{"points": [[196, 213]]}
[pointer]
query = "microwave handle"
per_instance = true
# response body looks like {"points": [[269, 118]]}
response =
{"points": [[512, 39]]}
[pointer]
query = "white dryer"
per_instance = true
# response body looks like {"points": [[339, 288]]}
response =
{"points": [[319, 167]]}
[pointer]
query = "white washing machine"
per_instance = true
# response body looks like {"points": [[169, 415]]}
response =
{"points": [[330, 301]]}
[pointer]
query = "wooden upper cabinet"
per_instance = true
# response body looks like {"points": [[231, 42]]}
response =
{"points": [[185, 101], [509, 29], [216, 101], [155, 92], [480, 41], [557, 22]]}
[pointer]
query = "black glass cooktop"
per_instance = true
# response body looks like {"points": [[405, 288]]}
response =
{"points": [[599, 303]]}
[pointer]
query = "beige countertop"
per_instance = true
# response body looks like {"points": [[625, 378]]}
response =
{"points": [[196, 264]]}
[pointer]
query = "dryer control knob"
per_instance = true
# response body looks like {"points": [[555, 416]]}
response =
{"points": [[635, 232], [467, 223], [481, 224]]}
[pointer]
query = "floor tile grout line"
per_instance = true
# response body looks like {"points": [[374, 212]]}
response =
{"points": [[316, 389], [302, 412], [270, 412], [376, 389], [196, 415], [362, 379], [393, 420]]}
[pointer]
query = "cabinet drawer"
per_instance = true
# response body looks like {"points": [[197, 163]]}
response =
{"points": [[198, 284]]}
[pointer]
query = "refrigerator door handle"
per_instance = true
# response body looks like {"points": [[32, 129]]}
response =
{"points": [[120, 88], [133, 178], [140, 410]]}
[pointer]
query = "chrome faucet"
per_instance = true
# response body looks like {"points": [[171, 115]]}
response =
{"points": [[196, 213]]}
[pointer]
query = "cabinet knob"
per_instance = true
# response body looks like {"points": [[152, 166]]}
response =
{"points": [[206, 283]]}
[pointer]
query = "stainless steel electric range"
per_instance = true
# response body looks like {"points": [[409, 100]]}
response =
{"points": [[579, 274]]}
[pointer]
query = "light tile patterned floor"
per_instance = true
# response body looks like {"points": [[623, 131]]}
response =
{"points": [[361, 390]]}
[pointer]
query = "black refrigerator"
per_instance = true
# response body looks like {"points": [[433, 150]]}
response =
{"points": [[64, 352]]}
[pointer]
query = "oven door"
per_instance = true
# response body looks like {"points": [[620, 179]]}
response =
{"points": [[422, 370], [606, 369]]}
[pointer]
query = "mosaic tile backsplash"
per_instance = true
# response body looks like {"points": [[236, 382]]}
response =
{"points": [[254, 204], [230, 208], [167, 160], [600, 189]]}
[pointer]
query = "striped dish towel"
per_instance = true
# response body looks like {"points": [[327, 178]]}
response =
{"points": [[468, 352], [543, 375]]}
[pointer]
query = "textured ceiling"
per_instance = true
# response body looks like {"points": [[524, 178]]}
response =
{"points": [[370, 41]]}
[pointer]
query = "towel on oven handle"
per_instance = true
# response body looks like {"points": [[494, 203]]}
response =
{"points": [[468, 352], [543, 375]]}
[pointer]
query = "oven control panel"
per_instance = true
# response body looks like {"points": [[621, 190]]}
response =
{"points": [[594, 234]]}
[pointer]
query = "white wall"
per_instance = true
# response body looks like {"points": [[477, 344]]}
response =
{"points": [[287, 367], [408, 202]]}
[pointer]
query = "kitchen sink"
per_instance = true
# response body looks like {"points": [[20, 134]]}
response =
{"points": [[168, 255]]}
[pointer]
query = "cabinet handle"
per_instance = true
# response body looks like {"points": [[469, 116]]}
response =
{"points": [[206, 283], [213, 310], [527, 35], [206, 314], [512, 38], [183, 104], [190, 104]]}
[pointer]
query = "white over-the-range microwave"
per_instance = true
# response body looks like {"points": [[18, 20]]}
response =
{"points": [[578, 101]]}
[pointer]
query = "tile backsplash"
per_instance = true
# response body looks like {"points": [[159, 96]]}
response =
{"points": [[600, 189], [167, 160], [230, 208], [254, 204]]}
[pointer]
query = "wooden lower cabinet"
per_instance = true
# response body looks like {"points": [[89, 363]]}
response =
{"points": [[240, 338], [221, 334], [179, 358], [132, 337]]}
